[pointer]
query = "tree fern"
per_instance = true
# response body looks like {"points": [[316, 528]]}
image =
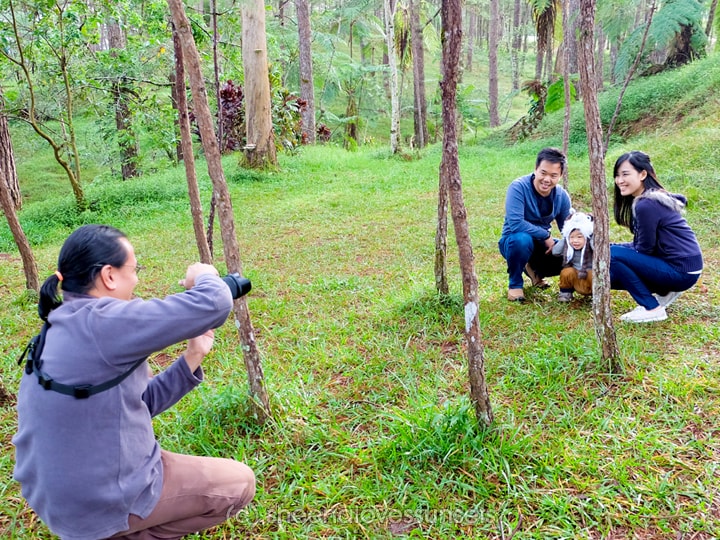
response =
{"points": [[667, 24]]}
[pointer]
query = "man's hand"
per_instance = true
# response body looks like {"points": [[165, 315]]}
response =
{"points": [[195, 270], [549, 243], [198, 348]]}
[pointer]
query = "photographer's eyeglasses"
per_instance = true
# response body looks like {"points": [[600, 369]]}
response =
{"points": [[137, 267]]}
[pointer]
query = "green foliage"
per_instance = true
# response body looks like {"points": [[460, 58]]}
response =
{"points": [[555, 99], [666, 25]]}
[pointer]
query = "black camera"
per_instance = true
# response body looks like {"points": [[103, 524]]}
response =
{"points": [[239, 286]]}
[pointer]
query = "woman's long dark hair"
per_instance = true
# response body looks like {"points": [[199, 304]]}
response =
{"points": [[82, 256], [622, 206]]}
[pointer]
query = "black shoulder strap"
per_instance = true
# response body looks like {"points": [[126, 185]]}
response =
{"points": [[34, 349]]}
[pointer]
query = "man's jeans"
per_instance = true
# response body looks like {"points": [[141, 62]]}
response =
{"points": [[520, 249], [642, 275]]}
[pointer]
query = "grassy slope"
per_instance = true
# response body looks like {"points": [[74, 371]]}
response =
{"points": [[374, 435]]}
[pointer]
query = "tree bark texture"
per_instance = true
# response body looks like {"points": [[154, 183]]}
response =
{"points": [[9, 202], [567, 38], [441, 279], [493, 38], [602, 312], [392, 68], [260, 403], [260, 149], [516, 46], [307, 92], [450, 170], [418, 57], [187, 151]]}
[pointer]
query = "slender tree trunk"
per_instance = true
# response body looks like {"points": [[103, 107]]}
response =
{"points": [[450, 169], [472, 32], [307, 88], [418, 56], [711, 19], [571, 42], [260, 149], [441, 279], [187, 151], [493, 35], [392, 67], [216, 74], [516, 46], [602, 312], [10, 201], [260, 402], [568, 37]]}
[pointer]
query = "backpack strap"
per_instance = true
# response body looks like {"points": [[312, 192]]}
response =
{"points": [[34, 349]]}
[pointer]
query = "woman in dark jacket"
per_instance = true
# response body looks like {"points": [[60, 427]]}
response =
{"points": [[664, 259]]}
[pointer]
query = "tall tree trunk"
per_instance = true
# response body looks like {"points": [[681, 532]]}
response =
{"points": [[216, 74], [260, 149], [121, 93], [450, 169], [187, 151], [570, 31], [260, 402], [392, 68], [516, 46], [711, 19], [307, 88], [472, 32], [418, 57], [602, 312], [567, 38], [493, 37], [441, 279], [10, 201]]}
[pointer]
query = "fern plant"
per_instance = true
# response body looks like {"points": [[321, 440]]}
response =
{"points": [[675, 34]]}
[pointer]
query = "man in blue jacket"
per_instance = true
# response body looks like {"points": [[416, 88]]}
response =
{"points": [[531, 204]]}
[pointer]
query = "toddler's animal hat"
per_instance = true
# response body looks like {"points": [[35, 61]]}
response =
{"points": [[578, 221]]}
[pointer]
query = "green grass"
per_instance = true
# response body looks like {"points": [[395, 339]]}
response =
{"points": [[373, 433]]}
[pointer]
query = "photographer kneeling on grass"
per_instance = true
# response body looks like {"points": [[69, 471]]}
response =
{"points": [[86, 454]]}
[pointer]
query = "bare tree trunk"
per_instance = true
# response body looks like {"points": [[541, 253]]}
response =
{"points": [[392, 67], [418, 57], [602, 312], [711, 18], [441, 279], [493, 35], [307, 88], [10, 201], [216, 74], [472, 31], [187, 152], [516, 46], [450, 169], [260, 149], [121, 92], [571, 42], [260, 403], [567, 38]]}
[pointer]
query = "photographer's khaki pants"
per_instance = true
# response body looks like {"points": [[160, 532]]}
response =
{"points": [[197, 493]]}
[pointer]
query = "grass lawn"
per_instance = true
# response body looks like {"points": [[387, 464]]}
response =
{"points": [[373, 433]]}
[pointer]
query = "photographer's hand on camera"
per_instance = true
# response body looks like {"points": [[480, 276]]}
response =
{"points": [[195, 270], [198, 348]]}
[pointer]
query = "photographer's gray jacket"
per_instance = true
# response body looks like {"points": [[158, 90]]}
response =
{"points": [[85, 464]]}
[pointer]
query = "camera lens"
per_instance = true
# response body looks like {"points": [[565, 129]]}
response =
{"points": [[239, 286]]}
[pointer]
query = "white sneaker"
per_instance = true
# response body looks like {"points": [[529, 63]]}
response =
{"points": [[667, 299], [640, 314]]}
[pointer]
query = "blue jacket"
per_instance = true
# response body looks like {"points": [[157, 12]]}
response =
{"points": [[522, 213], [661, 231], [85, 464]]}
